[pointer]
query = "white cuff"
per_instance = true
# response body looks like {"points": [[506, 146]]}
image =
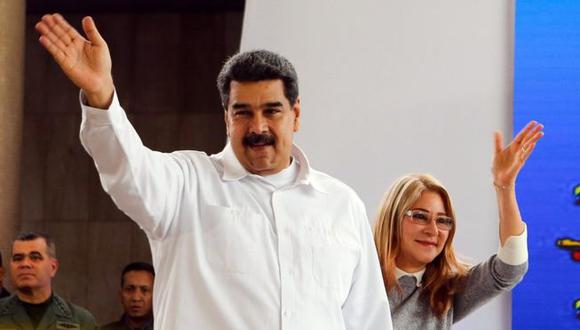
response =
{"points": [[515, 250], [101, 117]]}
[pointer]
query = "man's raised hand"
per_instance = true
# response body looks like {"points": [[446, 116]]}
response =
{"points": [[86, 62]]}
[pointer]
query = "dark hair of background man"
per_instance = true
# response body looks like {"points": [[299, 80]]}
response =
{"points": [[136, 266], [31, 236]]}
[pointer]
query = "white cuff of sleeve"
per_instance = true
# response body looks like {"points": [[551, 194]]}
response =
{"points": [[101, 117], [515, 250]]}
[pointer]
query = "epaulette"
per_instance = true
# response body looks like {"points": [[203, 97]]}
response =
{"points": [[62, 308]]}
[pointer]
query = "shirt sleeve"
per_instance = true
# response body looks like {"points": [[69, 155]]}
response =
{"points": [[484, 282], [515, 249], [143, 183], [367, 306]]}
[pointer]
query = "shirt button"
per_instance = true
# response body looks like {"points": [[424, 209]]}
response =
{"points": [[285, 313]]}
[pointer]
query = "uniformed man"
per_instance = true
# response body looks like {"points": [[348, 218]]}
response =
{"points": [[34, 304], [136, 296]]}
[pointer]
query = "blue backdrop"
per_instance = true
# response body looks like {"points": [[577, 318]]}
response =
{"points": [[547, 88]]}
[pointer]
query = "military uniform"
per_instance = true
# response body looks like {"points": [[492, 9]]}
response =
{"points": [[122, 324], [60, 314]]}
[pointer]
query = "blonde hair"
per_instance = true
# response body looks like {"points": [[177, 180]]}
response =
{"points": [[444, 276]]}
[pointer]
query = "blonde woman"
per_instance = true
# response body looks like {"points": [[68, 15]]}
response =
{"points": [[427, 286]]}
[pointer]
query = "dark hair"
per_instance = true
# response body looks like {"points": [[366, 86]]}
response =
{"points": [[257, 65], [0, 259], [136, 266], [31, 236]]}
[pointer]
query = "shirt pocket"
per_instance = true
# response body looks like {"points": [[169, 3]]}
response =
{"points": [[231, 238], [334, 258]]}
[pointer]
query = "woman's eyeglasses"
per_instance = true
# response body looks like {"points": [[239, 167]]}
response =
{"points": [[421, 217]]}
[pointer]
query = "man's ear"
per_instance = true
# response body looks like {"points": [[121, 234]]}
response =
{"points": [[296, 109], [227, 122], [54, 265]]}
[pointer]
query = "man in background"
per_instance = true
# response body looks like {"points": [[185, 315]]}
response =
{"points": [[136, 296], [34, 304]]}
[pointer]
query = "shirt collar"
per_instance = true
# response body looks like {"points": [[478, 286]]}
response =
{"points": [[234, 171], [417, 275]]}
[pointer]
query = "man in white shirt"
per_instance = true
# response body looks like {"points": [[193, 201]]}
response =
{"points": [[249, 238]]}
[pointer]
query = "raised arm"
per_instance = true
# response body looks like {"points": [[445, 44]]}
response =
{"points": [[86, 62], [507, 163], [145, 184], [502, 272]]}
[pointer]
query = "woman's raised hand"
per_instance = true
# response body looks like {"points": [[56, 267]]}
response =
{"points": [[508, 161]]}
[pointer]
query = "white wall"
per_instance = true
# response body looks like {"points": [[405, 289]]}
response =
{"points": [[391, 87]]}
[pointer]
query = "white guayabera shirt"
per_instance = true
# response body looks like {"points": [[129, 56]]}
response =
{"points": [[236, 251]]}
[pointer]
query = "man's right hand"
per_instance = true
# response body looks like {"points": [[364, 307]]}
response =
{"points": [[87, 63]]}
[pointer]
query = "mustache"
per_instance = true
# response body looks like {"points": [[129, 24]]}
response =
{"points": [[258, 139]]}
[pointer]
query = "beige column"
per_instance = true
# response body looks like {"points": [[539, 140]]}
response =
{"points": [[12, 29]]}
